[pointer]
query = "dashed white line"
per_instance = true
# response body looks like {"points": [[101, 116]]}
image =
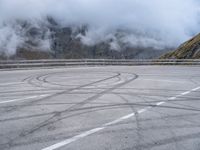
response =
{"points": [[160, 103], [198, 88], [22, 99], [10, 83], [95, 130], [75, 138], [142, 111], [186, 93], [172, 98]]}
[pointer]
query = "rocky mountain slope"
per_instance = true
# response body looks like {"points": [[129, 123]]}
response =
{"points": [[50, 40], [188, 50]]}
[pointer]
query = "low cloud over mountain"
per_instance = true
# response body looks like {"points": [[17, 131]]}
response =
{"points": [[155, 24]]}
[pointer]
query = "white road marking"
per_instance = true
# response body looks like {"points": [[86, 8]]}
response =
{"points": [[160, 103], [22, 99], [164, 80], [142, 111], [75, 138], [186, 93], [95, 130], [173, 98], [10, 83], [198, 88]]}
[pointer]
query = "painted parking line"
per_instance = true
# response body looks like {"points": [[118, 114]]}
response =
{"points": [[10, 83], [25, 98]]}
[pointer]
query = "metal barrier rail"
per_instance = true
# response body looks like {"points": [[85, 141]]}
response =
{"points": [[98, 60], [94, 62]]}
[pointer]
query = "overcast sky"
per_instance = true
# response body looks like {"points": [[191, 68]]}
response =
{"points": [[156, 23]]}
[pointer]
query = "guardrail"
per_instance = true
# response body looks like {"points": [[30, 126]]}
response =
{"points": [[94, 62]]}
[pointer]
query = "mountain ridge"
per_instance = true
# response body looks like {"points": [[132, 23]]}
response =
{"points": [[48, 39], [188, 50]]}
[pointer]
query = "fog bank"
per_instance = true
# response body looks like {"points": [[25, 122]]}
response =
{"points": [[156, 23]]}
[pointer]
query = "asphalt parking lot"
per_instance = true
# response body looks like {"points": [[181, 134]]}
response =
{"points": [[101, 108]]}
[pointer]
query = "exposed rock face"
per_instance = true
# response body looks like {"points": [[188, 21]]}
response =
{"points": [[49, 40], [188, 50], [65, 44]]}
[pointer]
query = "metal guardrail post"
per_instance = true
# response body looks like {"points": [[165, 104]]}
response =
{"points": [[94, 62]]}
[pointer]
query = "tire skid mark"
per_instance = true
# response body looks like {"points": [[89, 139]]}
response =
{"points": [[58, 93], [138, 127], [76, 106], [55, 117]]}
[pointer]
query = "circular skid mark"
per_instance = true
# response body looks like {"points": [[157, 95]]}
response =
{"points": [[65, 80], [60, 115]]}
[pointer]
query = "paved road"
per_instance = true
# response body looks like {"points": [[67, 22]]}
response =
{"points": [[100, 108]]}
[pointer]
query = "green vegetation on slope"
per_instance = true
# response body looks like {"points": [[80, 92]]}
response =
{"points": [[188, 50]]}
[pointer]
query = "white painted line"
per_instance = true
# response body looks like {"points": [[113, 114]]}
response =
{"points": [[186, 93], [10, 83], [73, 139], [95, 130], [172, 98], [160, 103], [22, 99], [193, 90], [142, 111]]}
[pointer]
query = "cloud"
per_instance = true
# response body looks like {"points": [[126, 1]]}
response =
{"points": [[146, 23]]}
